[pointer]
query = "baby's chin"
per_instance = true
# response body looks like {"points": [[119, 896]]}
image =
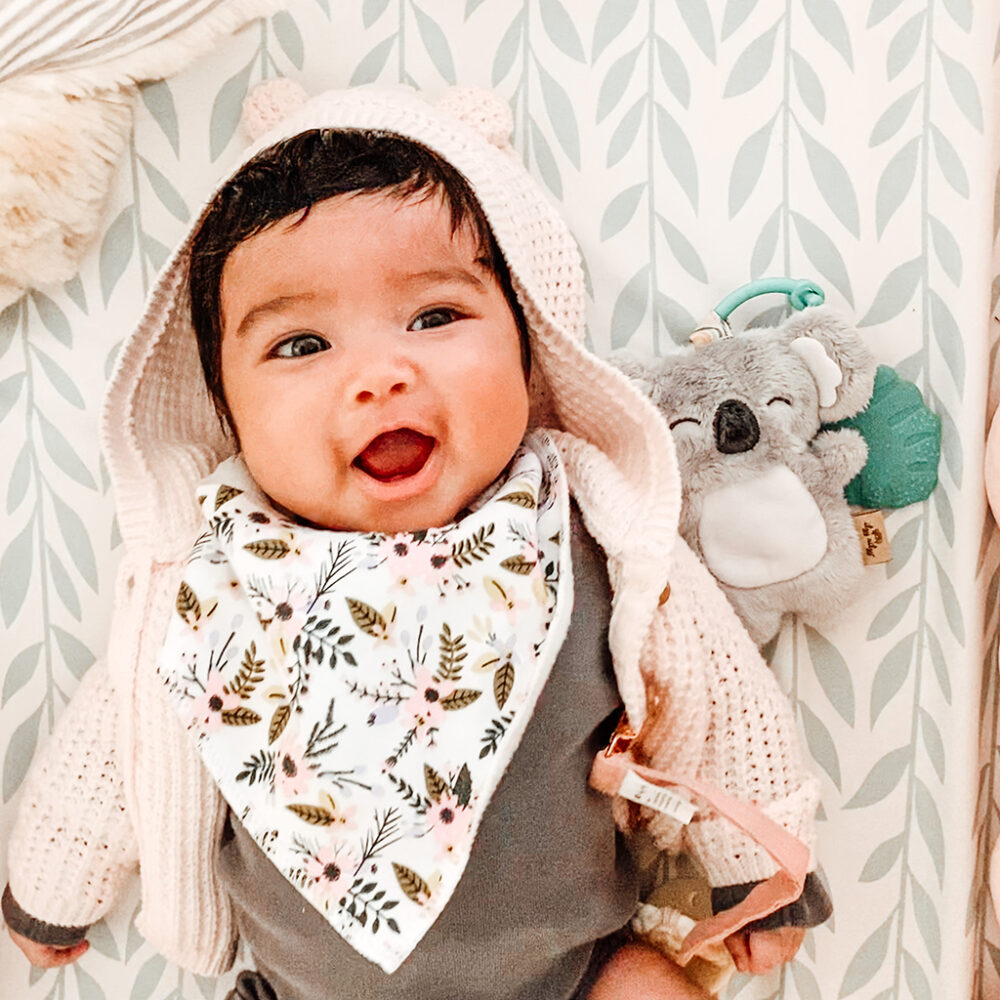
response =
{"points": [[409, 519]]}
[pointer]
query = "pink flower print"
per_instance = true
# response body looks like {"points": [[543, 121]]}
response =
{"points": [[212, 702], [412, 563], [504, 599], [424, 705], [332, 871], [292, 774], [450, 825]]}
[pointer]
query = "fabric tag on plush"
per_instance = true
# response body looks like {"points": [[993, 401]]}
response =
{"points": [[663, 800], [870, 526]]}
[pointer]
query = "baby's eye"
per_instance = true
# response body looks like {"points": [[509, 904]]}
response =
{"points": [[300, 345], [432, 318]]}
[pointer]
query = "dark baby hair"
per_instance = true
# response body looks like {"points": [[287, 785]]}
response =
{"points": [[293, 175]]}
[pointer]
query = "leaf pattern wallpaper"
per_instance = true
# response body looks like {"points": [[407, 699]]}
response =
{"points": [[693, 145]]}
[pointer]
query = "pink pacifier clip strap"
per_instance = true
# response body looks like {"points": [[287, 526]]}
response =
{"points": [[788, 852]]}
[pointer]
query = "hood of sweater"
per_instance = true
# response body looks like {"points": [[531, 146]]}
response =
{"points": [[161, 435]]}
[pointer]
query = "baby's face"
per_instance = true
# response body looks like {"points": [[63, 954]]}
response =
{"points": [[371, 364]]}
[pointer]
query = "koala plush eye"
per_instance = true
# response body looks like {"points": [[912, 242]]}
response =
{"points": [[779, 399], [684, 420]]}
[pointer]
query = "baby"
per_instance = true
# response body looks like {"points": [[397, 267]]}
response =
{"points": [[430, 561]]}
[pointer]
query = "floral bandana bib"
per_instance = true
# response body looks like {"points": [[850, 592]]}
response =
{"points": [[357, 697]]}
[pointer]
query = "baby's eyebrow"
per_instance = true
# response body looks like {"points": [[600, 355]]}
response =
{"points": [[444, 275], [276, 305]]}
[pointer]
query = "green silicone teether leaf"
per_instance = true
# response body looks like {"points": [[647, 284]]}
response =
{"points": [[904, 445]]}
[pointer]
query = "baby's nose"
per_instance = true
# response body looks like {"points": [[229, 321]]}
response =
{"points": [[381, 377]]}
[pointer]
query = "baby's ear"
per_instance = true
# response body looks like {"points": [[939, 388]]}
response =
{"points": [[483, 110], [269, 104]]}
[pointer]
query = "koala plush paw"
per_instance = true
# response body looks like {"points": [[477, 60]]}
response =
{"points": [[843, 453]]}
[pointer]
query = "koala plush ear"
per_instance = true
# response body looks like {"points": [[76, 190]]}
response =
{"points": [[841, 364]]}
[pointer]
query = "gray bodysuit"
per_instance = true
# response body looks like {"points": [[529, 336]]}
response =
{"points": [[546, 879]]}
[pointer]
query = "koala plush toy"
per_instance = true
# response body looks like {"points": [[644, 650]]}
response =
{"points": [[763, 503]]}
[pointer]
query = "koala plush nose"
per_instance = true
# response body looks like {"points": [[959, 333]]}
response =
{"points": [[736, 428]]}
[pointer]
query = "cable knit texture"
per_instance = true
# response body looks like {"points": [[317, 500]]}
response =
{"points": [[686, 668]]}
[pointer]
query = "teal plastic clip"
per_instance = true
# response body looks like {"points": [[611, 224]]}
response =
{"points": [[801, 293]]}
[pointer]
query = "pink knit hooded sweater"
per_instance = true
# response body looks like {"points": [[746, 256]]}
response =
{"points": [[120, 785]]}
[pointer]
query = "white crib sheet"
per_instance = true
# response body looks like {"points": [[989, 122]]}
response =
{"points": [[692, 146]]}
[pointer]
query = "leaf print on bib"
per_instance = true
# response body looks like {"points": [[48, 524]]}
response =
{"points": [[357, 697]]}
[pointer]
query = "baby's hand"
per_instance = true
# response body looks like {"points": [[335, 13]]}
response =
{"points": [[47, 956], [761, 951]]}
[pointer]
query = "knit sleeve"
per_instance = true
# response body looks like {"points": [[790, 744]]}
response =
{"points": [[732, 727], [72, 846]]}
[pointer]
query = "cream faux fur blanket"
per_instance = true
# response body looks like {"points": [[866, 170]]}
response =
{"points": [[68, 75]]}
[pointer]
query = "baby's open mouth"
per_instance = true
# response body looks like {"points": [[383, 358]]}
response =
{"points": [[395, 454]]}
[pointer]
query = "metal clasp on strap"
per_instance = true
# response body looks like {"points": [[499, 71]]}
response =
{"points": [[622, 738]]}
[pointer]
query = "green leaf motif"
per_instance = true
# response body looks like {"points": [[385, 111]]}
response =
{"points": [[63, 455], [289, 37], [942, 507], [948, 337], [964, 90], [561, 114], [832, 673], [619, 212], [698, 19], [20, 479], [752, 65], [226, 110], [933, 743], [372, 10], [62, 383], [20, 751], [950, 162], [895, 184], [53, 318], [805, 982], [880, 10], [829, 22], [890, 675], [904, 544], [368, 70], [736, 12], [820, 743], [19, 671], [810, 87], [268, 548], [77, 541], [949, 599], [164, 189], [881, 861], [116, 251], [101, 940], [893, 118], [895, 293], [630, 307], [823, 254], [673, 71], [947, 249], [436, 43], [903, 46], [927, 920], [10, 392], [616, 82], [916, 978], [683, 250], [15, 572], [677, 154], [624, 136], [77, 657], [833, 181], [148, 978], [562, 32], [939, 663], [159, 101], [882, 779], [548, 169], [87, 987], [867, 960], [612, 19], [892, 614], [507, 50]]}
